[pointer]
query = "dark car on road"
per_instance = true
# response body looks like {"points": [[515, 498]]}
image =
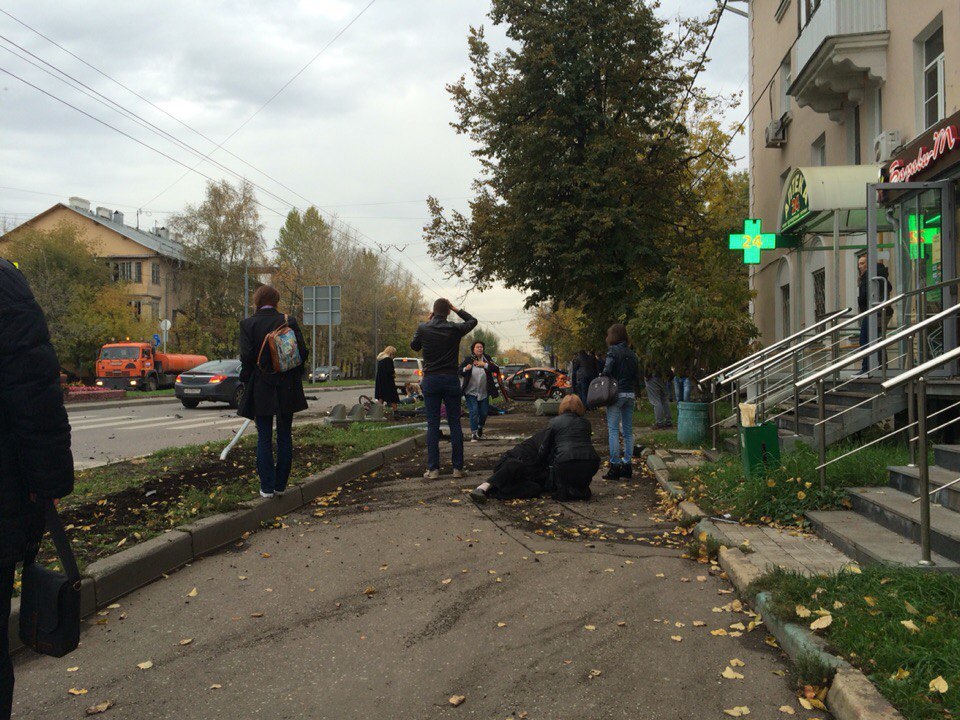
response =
{"points": [[214, 381], [535, 383]]}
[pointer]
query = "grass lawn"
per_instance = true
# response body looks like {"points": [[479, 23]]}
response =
{"points": [[786, 492], [121, 504], [901, 627]]}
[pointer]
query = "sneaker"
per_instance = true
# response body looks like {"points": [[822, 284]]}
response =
{"points": [[266, 494], [613, 472], [431, 474], [478, 495], [480, 433], [474, 437], [459, 473]]}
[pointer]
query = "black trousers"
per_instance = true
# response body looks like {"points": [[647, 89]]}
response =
{"points": [[6, 666], [571, 479]]}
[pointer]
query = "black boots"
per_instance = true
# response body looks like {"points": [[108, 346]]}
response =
{"points": [[618, 471], [626, 471]]}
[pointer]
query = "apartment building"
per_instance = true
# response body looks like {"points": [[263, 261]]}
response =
{"points": [[148, 262], [849, 93]]}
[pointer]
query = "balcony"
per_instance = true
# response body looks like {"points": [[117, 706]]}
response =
{"points": [[841, 54]]}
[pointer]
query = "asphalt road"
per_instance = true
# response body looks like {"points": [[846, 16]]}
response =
{"points": [[401, 594], [102, 435]]}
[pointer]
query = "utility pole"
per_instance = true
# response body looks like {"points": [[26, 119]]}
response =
{"points": [[246, 288]]}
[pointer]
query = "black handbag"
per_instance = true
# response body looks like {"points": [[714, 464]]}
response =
{"points": [[49, 600], [602, 392]]}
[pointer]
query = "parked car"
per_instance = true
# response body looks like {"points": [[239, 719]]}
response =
{"points": [[322, 373], [536, 383], [507, 370], [408, 370], [215, 381]]}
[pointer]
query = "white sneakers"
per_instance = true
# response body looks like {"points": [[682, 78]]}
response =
{"points": [[459, 473], [435, 474], [265, 495]]}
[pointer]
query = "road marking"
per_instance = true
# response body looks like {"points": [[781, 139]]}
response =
{"points": [[176, 424], [230, 421], [94, 425]]}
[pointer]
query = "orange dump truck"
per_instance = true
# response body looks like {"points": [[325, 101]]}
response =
{"points": [[137, 366]]}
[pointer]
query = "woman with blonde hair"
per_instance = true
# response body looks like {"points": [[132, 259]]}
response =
{"points": [[385, 387]]}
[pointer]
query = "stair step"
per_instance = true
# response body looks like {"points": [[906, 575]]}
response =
{"points": [[947, 456], [871, 544], [895, 511], [906, 478]]}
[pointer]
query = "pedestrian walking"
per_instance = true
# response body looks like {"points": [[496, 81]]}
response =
{"points": [[863, 302], [657, 382], [622, 366], [36, 463], [585, 371], [479, 384], [385, 385], [568, 451], [269, 393], [439, 341]]}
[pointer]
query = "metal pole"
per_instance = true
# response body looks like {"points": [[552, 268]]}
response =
{"points": [[822, 433], [246, 288], [314, 324], [763, 393], [924, 472], [714, 428], [911, 407], [330, 329], [796, 396]]}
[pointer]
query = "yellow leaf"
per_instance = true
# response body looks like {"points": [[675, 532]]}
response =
{"points": [[77, 691], [787, 710], [801, 495], [871, 601], [698, 623], [216, 686], [837, 605], [821, 622], [853, 569], [702, 537], [910, 625], [146, 665], [676, 638], [718, 631], [737, 663], [501, 624], [939, 685], [589, 628], [931, 619], [738, 626], [457, 700], [73, 669], [369, 590], [805, 704], [730, 674], [99, 708], [910, 608], [738, 711], [446, 581], [192, 593], [900, 674]]}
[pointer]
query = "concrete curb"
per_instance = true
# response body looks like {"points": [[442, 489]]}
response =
{"points": [[113, 577], [851, 696]]}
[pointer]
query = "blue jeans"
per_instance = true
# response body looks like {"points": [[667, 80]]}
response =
{"points": [[442, 390], [273, 478], [478, 410], [681, 389], [620, 415]]}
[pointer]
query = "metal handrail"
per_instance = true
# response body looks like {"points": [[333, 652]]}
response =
{"points": [[769, 348], [881, 343], [918, 372]]}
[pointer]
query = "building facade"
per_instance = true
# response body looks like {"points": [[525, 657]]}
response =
{"points": [[848, 93], [149, 262]]}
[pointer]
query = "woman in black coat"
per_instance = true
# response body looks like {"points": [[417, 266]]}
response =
{"points": [[36, 464], [385, 386], [268, 394], [568, 450]]}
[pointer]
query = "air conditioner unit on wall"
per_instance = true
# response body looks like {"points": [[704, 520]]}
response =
{"points": [[776, 134], [886, 144]]}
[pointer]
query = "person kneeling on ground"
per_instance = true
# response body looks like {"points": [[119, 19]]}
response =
{"points": [[519, 473], [568, 450]]}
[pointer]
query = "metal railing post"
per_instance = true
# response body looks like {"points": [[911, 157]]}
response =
{"points": [[714, 428], [922, 462], [911, 407], [835, 352], [762, 384], [822, 434], [796, 397]]}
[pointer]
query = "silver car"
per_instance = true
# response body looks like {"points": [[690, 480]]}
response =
{"points": [[322, 373], [408, 370]]}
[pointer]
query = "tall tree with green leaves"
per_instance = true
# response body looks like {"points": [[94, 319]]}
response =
{"points": [[582, 168]]}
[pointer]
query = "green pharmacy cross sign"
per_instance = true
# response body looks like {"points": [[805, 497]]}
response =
{"points": [[924, 235], [752, 240]]}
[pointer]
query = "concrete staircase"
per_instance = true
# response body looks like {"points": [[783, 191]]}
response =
{"points": [[883, 525]]}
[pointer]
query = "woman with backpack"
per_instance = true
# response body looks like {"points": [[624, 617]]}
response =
{"points": [[621, 365], [271, 370]]}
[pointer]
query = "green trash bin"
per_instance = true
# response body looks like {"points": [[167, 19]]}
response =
{"points": [[692, 421], [759, 448]]}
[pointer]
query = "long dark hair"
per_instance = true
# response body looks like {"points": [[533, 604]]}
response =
{"points": [[617, 334]]}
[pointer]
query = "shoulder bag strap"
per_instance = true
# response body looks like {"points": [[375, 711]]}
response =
{"points": [[60, 540]]}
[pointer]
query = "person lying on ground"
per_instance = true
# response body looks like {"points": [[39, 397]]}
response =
{"points": [[568, 451], [519, 473]]}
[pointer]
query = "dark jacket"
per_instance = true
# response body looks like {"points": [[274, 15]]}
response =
{"points": [[863, 297], [491, 370], [520, 473], [568, 438], [439, 339], [35, 456], [622, 366], [266, 392], [385, 386], [584, 368]]}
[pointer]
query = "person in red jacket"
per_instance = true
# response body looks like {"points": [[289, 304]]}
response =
{"points": [[36, 463]]}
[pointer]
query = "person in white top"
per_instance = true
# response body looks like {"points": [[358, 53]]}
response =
{"points": [[479, 384]]}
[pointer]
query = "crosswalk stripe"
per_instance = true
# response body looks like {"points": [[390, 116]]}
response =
{"points": [[94, 419], [231, 421], [178, 424], [75, 427]]}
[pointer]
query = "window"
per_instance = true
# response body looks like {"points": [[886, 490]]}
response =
{"points": [[786, 79], [137, 306], [785, 308], [806, 9], [155, 309], [818, 151], [819, 294], [155, 273], [933, 72], [122, 271], [138, 272]]}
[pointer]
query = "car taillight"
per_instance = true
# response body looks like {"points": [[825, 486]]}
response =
{"points": [[217, 379], [179, 379], [420, 373]]}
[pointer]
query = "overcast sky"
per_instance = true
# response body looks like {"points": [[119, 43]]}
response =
{"points": [[363, 132]]}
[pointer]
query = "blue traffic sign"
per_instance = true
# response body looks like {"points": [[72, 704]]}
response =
{"points": [[156, 340]]}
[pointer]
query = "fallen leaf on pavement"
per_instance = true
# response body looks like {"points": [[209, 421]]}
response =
{"points": [[501, 624], [77, 691], [698, 623], [216, 686], [256, 615], [369, 590], [590, 628], [738, 711], [595, 673], [738, 626], [787, 710], [939, 684], [264, 554], [457, 700], [192, 593], [446, 581], [660, 575], [718, 631], [100, 707], [622, 623], [676, 638], [737, 663], [73, 669], [145, 665], [730, 674], [186, 641]]}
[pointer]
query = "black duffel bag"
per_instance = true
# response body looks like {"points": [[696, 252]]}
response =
{"points": [[602, 392], [49, 600]]}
